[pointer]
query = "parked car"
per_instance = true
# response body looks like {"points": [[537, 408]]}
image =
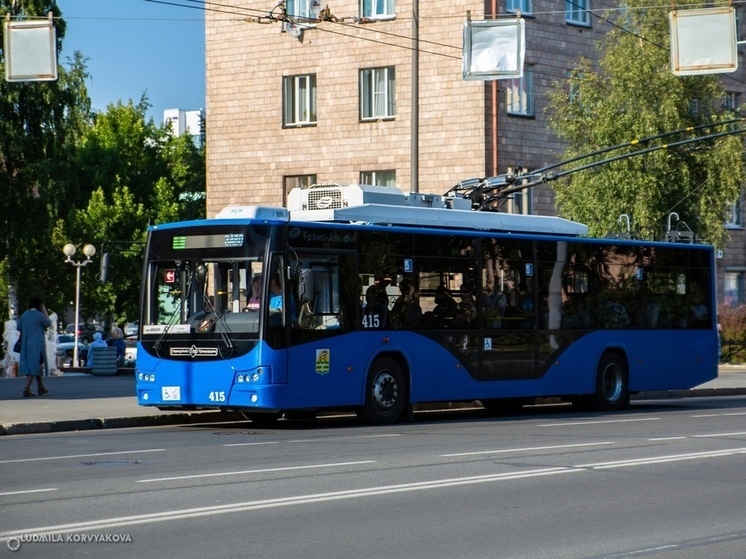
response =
{"points": [[66, 351], [131, 329], [85, 331], [130, 351]]}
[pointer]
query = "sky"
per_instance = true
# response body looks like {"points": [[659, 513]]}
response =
{"points": [[138, 47]]}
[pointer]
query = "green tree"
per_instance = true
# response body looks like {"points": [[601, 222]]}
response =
{"points": [[68, 174], [137, 174], [123, 148], [40, 125], [633, 94]]}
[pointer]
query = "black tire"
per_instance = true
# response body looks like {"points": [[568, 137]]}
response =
{"points": [[263, 419], [502, 406], [386, 393], [301, 416], [612, 383]]}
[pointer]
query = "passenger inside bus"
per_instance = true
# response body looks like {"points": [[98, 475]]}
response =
{"points": [[446, 306], [406, 312], [375, 310], [467, 307], [254, 300]]}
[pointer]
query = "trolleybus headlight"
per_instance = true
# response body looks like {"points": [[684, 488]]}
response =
{"points": [[254, 398], [255, 378], [240, 378], [140, 376], [152, 377]]}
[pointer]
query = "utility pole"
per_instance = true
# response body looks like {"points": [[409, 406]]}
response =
{"points": [[415, 133]]}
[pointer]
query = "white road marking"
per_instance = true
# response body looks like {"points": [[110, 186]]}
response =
{"points": [[600, 422], [173, 515], [318, 440], [528, 449], [252, 444], [719, 414], [661, 459], [667, 439], [28, 491], [262, 471], [718, 435], [346, 438], [81, 455], [281, 502]]}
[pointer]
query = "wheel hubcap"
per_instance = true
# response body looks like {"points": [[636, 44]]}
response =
{"points": [[612, 383], [385, 391]]}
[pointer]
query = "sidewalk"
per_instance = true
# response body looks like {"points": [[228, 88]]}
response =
{"points": [[78, 401]]}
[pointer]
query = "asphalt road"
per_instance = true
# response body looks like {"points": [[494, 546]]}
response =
{"points": [[665, 479], [81, 402]]}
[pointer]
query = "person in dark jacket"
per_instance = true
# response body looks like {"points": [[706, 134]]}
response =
{"points": [[33, 361], [116, 340]]}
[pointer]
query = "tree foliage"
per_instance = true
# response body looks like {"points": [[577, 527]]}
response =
{"points": [[137, 173], [40, 124], [633, 94], [69, 174]]}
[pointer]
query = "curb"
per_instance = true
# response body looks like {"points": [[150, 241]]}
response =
{"points": [[118, 422]]}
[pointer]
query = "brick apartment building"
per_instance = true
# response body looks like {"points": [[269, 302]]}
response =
{"points": [[332, 102]]}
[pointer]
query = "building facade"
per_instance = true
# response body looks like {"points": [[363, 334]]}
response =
{"points": [[331, 101]]}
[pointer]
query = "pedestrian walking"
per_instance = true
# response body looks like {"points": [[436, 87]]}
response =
{"points": [[33, 358]]}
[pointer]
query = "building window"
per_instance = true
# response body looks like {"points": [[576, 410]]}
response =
{"points": [[520, 95], [379, 178], [299, 100], [520, 203], [303, 9], [735, 220], [524, 6], [296, 181], [376, 93], [732, 100], [576, 12], [733, 293], [377, 9]]}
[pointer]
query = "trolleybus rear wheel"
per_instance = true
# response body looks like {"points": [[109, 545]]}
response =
{"points": [[612, 383], [386, 392]]}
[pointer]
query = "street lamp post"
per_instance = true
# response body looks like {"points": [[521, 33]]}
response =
{"points": [[69, 250]]}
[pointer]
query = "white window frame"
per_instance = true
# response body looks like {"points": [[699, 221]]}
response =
{"points": [[378, 9], [735, 214], [296, 181], [520, 202], [303, 9], [732, 100], [299, 100], [577, 12], [573, 94], [525, 6], [733, 288], [377, 95], [519, 99], [379, 178]]}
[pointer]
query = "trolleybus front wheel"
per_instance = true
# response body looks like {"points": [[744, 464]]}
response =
{"points": [[386, 392]]}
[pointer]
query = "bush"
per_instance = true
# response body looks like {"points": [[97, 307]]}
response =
{"points": [[732, 321]]}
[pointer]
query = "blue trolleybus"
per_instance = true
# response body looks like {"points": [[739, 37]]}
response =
{"points": [[363, 298]]}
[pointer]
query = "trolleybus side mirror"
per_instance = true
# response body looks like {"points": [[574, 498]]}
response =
{"points": [[305, 285], [201, 272]]}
